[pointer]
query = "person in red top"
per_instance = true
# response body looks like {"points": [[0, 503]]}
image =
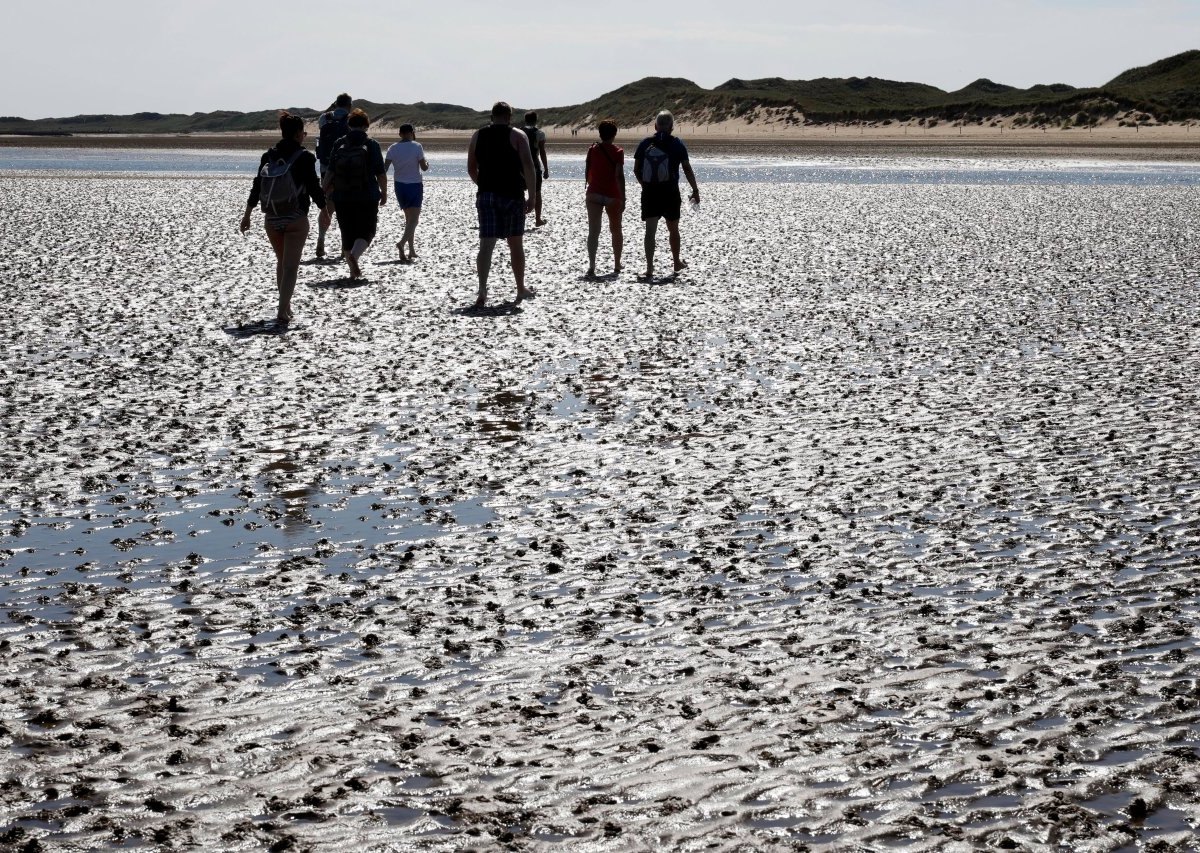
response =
{"points": [[605, 175]]}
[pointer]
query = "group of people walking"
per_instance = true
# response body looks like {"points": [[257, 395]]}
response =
{"points": [[347, 178]]}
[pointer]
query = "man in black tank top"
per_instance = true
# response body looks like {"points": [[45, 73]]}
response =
{"points": [[501, 165]]}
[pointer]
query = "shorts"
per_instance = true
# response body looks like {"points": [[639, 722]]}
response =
{"points": [[409, 195], [661, 200], [500, 216], [357, 221], [602, 200]]}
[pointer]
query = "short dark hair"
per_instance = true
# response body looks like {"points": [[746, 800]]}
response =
{"points": [[358, 118], [407, 128], [343, 100], [608, 130], [502, 108], [289, 125], [531, 117]]}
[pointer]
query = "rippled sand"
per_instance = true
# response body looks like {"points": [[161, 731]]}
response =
{"points": [[876, 529]]}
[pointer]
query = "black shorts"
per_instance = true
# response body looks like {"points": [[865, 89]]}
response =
{"points": [[357, 221], [661, 200]]}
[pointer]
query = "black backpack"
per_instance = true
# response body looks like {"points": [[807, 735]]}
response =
{"points": [[333, 130], [351, 166]]}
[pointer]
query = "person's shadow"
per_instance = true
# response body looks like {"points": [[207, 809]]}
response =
{"points": [[244, 331], [343, 283], [606, 278], [500, 309]]}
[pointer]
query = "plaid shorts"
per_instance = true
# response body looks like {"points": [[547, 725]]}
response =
{"points": [[500, 216]]}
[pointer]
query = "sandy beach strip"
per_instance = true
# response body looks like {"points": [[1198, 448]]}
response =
{"points": [[1174, 142], [875, 528]]}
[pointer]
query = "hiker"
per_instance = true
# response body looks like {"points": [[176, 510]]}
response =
{"points": [[284, 186], [604, 170], [407, 158], [656, 165], [358, 180], [331, 127], [501, 165], [537, 147]]}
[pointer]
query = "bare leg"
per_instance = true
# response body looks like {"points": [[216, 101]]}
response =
{"points": [[412, 215], [595, 211], [651, 230], [673, 232], [277, 239], [516, 249], [618, 237], [294, 238], [483, 265], [323, 222]]}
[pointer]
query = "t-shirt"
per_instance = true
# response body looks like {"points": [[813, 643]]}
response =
{"points": [[537, 138], [406, 157], [604, 161], [672, 146]]}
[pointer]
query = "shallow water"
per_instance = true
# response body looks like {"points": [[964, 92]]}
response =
{"points": [[874, 529], [450, 163]]}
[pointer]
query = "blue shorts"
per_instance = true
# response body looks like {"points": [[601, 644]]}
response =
{"points": [[500, 216], [409, 195]]}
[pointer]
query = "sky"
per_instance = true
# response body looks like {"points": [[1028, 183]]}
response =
{"points": [[123, 56]]}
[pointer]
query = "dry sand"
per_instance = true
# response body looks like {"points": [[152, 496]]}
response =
{"points": [[876, 529], [1108, 140]]}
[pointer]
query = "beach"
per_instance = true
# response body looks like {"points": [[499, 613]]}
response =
{"points": [[875, 528]]}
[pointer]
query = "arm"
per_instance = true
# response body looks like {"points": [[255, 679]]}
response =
{"points": [[542, 152], [521, 142], [691, 179], [380, 171], [312, 184], [255, 193], [472, 160], [621, 179]]}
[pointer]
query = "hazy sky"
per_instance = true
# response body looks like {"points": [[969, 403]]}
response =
{"points": [[63, 58]]}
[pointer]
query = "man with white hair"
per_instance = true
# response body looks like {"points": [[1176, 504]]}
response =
{"points": [[656, 165]]}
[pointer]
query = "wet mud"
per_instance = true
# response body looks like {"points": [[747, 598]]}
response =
{"points": [[874, 529]]}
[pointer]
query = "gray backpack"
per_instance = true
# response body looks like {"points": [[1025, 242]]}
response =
{"points": [[279, 194]]}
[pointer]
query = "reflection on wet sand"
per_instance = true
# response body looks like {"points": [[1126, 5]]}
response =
{"points": [[874, 529]]}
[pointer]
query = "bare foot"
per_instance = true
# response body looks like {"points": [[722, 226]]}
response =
{"points": [[481, 302], [680, 265], [355, 271], [591, 273], [617, 269], [540, 223], [525, 293], [400, 249]]}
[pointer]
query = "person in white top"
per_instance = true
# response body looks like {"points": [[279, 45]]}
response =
{"points": [[407, 158]]}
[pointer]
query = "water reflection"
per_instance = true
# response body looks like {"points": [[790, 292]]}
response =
{"points": [[775, 164]]}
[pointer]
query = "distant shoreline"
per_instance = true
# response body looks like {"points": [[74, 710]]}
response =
{"points": [[1161, 142]]}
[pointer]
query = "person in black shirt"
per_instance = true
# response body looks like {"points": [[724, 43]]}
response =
{"points": [[286, 217], [358, 178], [500, 164]]}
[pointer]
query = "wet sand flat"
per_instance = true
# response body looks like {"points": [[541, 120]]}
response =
{"points": [[875, 529]]}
